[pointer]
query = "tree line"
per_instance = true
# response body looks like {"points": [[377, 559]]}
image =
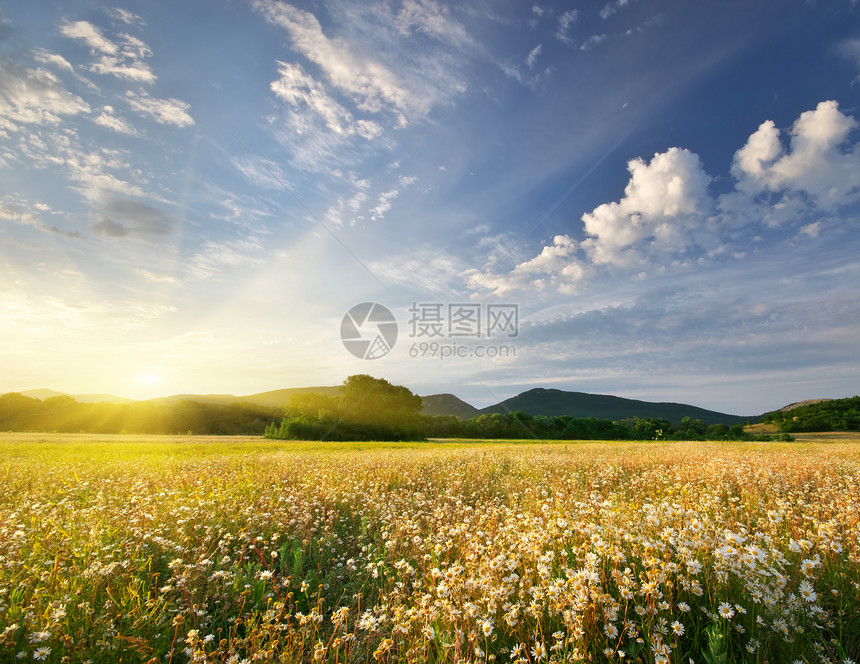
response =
{"points": [[63, 414], [366, 408], [370, 408], [833, 415]]}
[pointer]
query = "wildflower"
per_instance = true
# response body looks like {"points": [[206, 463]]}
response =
{"points": [[486, 626], [678, 628], [41, 654], [539, 651], [807, 591], [429, 632], [683, 606], [725, 610]]}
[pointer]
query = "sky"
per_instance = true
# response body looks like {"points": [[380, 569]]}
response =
{"points": [[655, 199]]}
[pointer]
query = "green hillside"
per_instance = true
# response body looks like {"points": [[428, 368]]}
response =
{"points": [[824, 415], [448, 404], [553, 403]]}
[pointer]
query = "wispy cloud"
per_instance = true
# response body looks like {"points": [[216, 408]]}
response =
{"points": [[299, 89], [34, 96], [107, 119], [164, 111], [565, 23], [90, 35]]}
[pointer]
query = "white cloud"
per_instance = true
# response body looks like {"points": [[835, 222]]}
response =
{"points": [[123, 15], [107, 119], [123, 58], [53, 59], [667, 217], [665, 203], [383, 204], [592, 41], [814, 164], [533, 56], [432, 19], [34, 96], [90, 35], [164, 111], [611, 7], [372, 85], [299, 89], [130, 71], [565, 21], [557, 267]]}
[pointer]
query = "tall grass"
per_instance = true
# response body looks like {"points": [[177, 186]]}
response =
{"points": [[210, 550]]}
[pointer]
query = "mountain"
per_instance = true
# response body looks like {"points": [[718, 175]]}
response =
{"points": [[448, 404], [44, 393], [551, 402]]}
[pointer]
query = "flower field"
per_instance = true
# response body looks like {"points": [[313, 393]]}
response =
{"points": [[162, 549]]}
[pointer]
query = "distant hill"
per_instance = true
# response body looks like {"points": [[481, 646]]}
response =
{"points": [[448, 404], [538, 401], [44, 393], [552, 402], [272, 399]]}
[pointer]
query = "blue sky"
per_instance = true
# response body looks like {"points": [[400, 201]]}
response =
{"points": [[192, 195]]}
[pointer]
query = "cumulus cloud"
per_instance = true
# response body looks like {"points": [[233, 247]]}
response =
{"points": [[164, 111], [34, 96], [814, 163], [668, 217], [299, 89], [665, 203]]}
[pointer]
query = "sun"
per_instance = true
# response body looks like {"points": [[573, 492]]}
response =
{"points": [[149, 378]]}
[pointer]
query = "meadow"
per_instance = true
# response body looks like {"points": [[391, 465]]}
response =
{"points": [[192, 549]]}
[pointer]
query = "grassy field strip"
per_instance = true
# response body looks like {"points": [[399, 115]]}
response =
{"points": [[194, 549]]}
